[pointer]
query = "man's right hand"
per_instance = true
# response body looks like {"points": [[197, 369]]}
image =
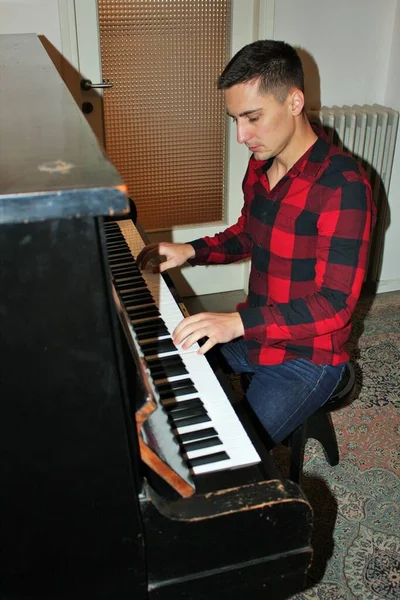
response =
{"points": [[175, 255]]}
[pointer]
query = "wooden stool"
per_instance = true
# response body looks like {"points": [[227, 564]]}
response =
{"points": [[320, 426]]}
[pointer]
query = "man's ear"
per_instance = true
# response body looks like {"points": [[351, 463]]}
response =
{"points": [[297, 102]]}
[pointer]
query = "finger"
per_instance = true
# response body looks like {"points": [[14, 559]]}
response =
{"points": [[167, 264], [144, 251], [179, 332], [182, 336], [152, 254], [143, 256], [193, 338], [206, 346]]}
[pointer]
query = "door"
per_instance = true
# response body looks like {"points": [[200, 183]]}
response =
{"points": [[251, 19]]}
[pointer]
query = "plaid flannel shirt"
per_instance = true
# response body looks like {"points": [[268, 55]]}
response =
{"points": [[308, 240]]}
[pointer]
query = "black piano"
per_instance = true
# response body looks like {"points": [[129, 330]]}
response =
{"points": [[121, 476]]}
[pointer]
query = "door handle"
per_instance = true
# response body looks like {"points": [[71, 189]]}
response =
{"points": [[87, 85]]}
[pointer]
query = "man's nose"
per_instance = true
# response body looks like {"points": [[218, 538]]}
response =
{"points": [[242, 133]]}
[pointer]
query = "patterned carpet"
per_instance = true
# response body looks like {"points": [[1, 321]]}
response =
{"points": [[356, 504]]}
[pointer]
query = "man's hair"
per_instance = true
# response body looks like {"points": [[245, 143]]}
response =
{"points": [[276, 65]]}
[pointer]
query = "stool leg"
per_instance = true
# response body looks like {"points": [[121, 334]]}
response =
{"points": [[321, 428], [297, 444]]}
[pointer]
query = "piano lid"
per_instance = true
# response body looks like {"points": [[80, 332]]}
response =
{"points": [[51, 165]]}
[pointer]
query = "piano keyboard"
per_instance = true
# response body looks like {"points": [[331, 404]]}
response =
{"points": [[210, 435]]}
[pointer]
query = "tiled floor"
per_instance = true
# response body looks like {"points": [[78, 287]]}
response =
{"points": [[221, 302]]}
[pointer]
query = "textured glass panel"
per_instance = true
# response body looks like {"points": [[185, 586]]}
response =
{"points": [[164, 119]]}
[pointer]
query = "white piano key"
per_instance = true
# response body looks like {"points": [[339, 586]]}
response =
{"points": [[235, 441]]}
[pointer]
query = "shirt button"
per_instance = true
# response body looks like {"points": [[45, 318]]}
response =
{"points": [[258, 274], [260, 245]]}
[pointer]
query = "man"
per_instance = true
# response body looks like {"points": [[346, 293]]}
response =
{"points": [[306, 224]]}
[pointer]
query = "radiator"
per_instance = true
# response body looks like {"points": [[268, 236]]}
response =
{"points": [[369, 133]]}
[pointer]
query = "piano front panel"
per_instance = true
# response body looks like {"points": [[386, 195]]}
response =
{"points": [[248, 541], [69, 476]]}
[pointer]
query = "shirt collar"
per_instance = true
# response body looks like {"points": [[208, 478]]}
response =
{"points": [[310, 163]]}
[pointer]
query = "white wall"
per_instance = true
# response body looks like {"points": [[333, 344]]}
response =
{"points": [[391, 265], [354, 48], [32, 16], [350, 41]]}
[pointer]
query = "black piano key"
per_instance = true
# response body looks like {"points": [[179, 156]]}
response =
{"points": [[134, 284], [129, 306], [142, 313], [125, 280], [203, 418], [185, 404], [126, 263], [114, 241], [174, 385], [114, 236], [119, 264], [132, 288], [171, 371], [158, 346], [139, 301], [116, 248], [154, 331], [197, 435], [121, 256], [177, 415], [140, 295], [115, 253], [123, 271], [190, 418], [119, 247], [135, 296], [156, 324], [168, 396], [208, 459], [128, 259], [174, 359], [111, 226], [131, 294], [209, 442], [159, 367], [156, 363]]}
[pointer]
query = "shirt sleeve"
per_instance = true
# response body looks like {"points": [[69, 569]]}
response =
{"points": [[344, 232], [228, 246]]}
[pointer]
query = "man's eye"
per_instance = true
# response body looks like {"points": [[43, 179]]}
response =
{"points": [[253, 119]]}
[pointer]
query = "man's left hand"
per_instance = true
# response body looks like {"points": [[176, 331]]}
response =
{"points": [[217, 327]]}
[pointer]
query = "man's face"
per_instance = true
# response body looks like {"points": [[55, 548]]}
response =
{"points": [[263, 123]]}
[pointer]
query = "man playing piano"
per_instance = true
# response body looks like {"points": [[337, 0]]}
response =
{"points": [[306, 225]]}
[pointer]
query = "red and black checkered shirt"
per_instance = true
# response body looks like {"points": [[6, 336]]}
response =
{"points": [[308, 240]]}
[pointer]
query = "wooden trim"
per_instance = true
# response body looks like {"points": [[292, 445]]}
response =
{"points": [[69, 43], [264, 28]]}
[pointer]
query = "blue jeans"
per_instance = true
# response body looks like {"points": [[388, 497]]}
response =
{"points": [[283, 396]]}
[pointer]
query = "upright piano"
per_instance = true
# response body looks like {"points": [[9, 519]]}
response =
{"points": [[125, 470]]}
